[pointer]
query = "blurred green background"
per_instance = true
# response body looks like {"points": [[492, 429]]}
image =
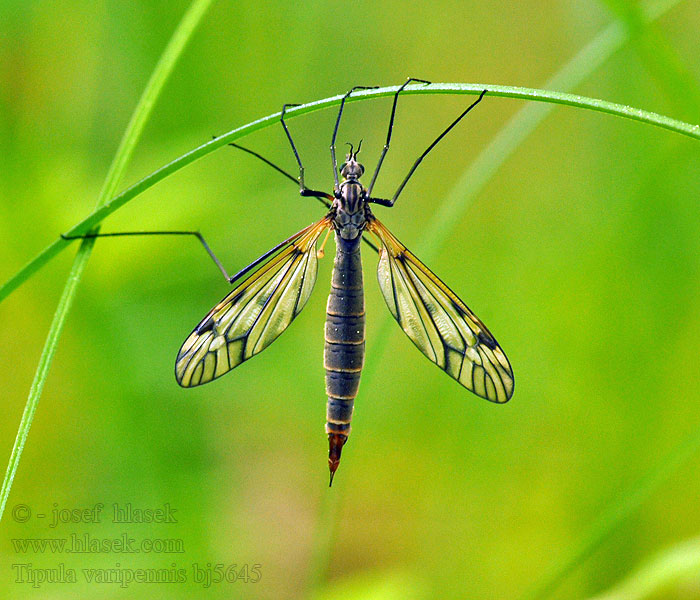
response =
{"points": [[582, 255]]}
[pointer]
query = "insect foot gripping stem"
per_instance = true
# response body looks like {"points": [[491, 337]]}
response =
{"points": [[335, 443]]}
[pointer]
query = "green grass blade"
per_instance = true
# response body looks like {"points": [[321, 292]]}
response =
{"points": [[154, 87], [122, 157], [42, 370], [537, 95]]}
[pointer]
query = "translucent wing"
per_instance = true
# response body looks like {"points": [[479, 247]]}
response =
{"points": [[254, 314], [439, 323]]}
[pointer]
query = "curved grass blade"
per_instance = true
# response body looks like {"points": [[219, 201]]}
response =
{"points": [[503, 91]]}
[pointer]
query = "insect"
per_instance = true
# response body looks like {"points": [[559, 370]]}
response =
{"points": [[263, 305], [273, 290]]}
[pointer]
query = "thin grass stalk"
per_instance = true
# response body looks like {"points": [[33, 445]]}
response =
{"points": [[142, 112]]}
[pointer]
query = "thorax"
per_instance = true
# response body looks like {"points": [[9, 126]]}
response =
{"points": [[351, 210]]}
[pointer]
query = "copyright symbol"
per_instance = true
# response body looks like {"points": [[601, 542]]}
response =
{"points": [[21, 513]]}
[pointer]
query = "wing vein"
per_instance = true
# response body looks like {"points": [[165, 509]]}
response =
{"points": [[256, 312], [434, 312]]}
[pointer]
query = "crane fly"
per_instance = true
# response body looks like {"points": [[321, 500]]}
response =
{"points": [[273, 289], [264, 304]]}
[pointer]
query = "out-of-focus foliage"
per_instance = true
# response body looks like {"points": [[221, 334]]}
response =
{"points": [[582, 255]]}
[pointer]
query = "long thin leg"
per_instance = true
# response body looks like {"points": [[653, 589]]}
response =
{"points": [[303, 190], [323, 197], [385, 202], [198, 235], [388, 135], [294, 148], [336, 189], [267, 162]]}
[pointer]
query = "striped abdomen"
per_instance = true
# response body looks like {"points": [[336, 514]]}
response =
{"points": [[345, 344]]}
